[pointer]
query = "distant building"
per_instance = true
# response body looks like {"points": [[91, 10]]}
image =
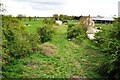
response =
{"points": [[100, 19], [103, 20]]}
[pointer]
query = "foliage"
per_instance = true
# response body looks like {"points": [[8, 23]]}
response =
{"points": [[48, 21], [65, 17], [17, 43], [82, 19], [108, 41], [71, 60], [2, 7], [20, 17], [30, 18], [46, 31], [55, 16], [75, 31], [61, 17]]}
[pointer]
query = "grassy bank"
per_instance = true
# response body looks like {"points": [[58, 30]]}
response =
{"points": [[70, 59]]}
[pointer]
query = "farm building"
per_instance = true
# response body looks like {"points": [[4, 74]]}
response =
{"points": [[100, 19], [103, 20]]}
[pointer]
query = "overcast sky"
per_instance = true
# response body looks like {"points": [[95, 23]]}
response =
{"points": [[68, 7]]}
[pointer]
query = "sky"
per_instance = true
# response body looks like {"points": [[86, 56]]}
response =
{"points": [[45, 8]]}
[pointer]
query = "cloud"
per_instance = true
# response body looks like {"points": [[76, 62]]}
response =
{"points": [[33, 7], [43, 2], [92, 7], [68, 7], [43, 5]]}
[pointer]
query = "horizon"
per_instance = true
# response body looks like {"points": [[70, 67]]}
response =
{"points": [[46, 8]]}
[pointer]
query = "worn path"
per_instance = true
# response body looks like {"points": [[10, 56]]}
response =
{"points": [[71, 60]]}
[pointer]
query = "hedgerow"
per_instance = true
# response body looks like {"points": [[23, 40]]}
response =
{"points": [[16, 42], [108, 41]]}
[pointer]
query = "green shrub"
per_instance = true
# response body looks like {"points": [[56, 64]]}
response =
{"points": [[75, 32], [45, 33], [48, 21], [108, 41], [34, 41], [17, 43]]}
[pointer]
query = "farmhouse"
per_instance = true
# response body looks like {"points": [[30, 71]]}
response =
{"points": [[103, 20]]}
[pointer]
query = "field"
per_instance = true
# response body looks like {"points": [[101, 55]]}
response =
{"points": [[71, 59], [33, 25]]}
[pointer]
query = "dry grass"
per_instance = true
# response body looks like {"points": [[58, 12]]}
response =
{"points": [[48, 49]]}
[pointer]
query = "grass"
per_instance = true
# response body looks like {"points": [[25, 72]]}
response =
{"points": [[73, 21], [71, 59], [103, 26], [33, 25]]}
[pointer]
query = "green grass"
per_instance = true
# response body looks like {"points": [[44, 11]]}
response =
{"points": [[103, 26], [71, 60], [33, 25], [73, 21]]}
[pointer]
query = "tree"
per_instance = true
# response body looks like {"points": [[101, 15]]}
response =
{"points": [[2, 8], [61, 17], [30, 18], [20, 16], [55, 16]]}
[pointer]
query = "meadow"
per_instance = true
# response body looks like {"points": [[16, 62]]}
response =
{"points": [[70, 60], [33, 25]]}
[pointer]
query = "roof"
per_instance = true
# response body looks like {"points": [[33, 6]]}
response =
{"points": [[103, 18]]}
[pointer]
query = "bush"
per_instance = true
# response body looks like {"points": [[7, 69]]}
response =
{"points": [[75, 32], [108, 41], [17, 43], [48, 21], [46, 33], [34, 41]]}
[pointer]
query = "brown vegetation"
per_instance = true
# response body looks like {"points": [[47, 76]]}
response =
{"points": [[48, 49]]}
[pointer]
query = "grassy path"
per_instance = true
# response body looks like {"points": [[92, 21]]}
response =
{"points": [[67, 52], [71, 60]]}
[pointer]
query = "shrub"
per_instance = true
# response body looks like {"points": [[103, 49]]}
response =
{"points": [[108, 41], [75, 31], [17, 43], [48, 21], [34, 41], [46, 33]]}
